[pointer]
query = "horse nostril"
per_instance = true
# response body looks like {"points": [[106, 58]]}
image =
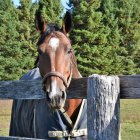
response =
{"points": [[63, 95], [47, 96]]}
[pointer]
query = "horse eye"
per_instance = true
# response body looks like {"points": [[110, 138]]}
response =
{"points": [[69, 51]]}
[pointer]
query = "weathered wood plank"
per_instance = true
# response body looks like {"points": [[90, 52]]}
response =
{"points": [[103, 114], [130, 81], [130, 93], [17, 138], [78, 88], [33, 89], [21, 90], [129, 88]]}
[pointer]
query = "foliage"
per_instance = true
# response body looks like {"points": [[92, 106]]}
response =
{"points": [[51, 11], [10, 54], [105, 36], [18, 35]]}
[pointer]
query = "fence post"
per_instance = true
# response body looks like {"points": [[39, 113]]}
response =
{"points": [[103, 110]]}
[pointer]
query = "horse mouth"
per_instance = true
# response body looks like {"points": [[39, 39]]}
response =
{"points": [[57, 101]]}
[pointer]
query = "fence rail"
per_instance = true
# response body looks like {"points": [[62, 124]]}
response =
{"points": [[129, 88]]}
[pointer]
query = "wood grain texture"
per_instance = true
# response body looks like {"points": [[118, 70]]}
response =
{"points": [[130, 81], [78, 88], [130, 93], [130, 87], [21, 90], [103, 112]]}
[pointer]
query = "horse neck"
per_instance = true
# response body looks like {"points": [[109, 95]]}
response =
{"points": [[75, 71], [74, 104]]}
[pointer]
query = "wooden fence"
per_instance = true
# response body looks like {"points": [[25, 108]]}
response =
{"points": [[103, 95]]}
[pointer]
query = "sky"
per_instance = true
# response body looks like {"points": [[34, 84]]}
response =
{"points": [[16, 2]]}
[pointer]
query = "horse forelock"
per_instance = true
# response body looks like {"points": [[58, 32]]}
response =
{"points": [[50, 29]]}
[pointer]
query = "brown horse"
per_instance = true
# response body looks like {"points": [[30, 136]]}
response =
{"points": [[57, 66]]}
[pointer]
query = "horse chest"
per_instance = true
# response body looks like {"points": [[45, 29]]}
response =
{"points": [[72, 107]]}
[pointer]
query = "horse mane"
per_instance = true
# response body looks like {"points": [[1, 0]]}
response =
{"points": [[75, 72]]}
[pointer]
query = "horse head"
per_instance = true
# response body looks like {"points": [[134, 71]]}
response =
{"points": [[56, 59]]}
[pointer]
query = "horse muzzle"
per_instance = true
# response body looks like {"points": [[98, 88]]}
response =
{"points": [[56, 101], [55, 92]]}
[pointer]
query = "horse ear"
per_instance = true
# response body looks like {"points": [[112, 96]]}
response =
{"points": [[40, 22], [67, 23]]}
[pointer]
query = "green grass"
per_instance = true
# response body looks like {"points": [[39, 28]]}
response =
{"points": [[130, 131], [130, 119], [5, 111]]}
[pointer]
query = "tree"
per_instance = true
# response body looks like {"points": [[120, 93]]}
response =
{"points": [[16, 56], [18, 35], [97, 38], [127, 13], [9, 51], [52, 11]]}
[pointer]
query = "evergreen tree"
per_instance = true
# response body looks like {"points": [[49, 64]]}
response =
{"points": [[10, 54], [18, 35], [16, 57], [127, 13], [51, 11], [97, 38], [90, 38], [29, 35]]}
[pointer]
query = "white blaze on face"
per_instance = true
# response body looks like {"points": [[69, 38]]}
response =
{"points": [[53, 87], [54, 43]]}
